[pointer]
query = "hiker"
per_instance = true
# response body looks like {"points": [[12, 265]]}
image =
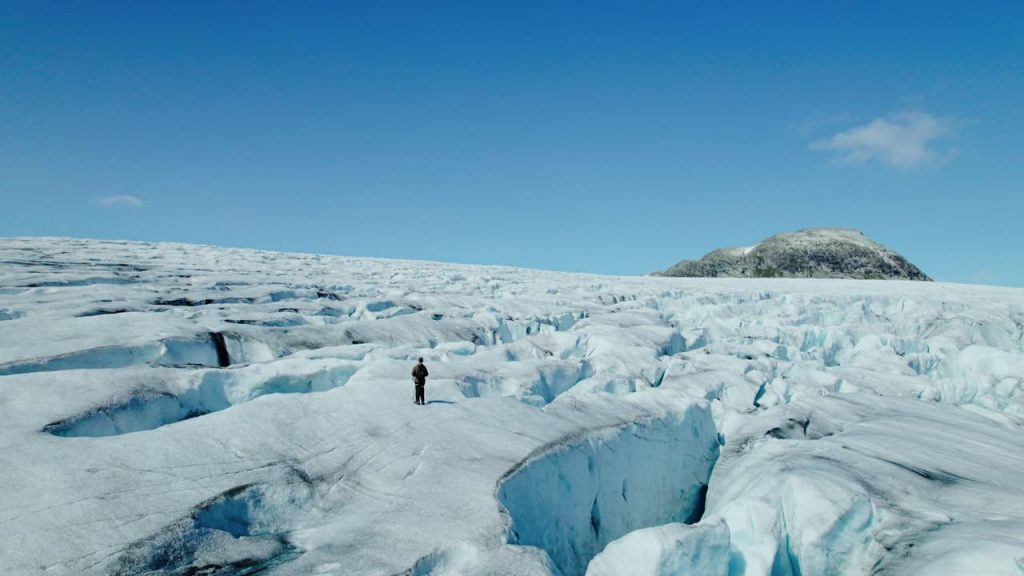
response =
{"points": [[419, 377]]}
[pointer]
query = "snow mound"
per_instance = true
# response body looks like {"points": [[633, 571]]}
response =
{"points": [[665, 550]]}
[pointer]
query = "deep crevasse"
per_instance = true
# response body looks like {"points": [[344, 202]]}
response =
{"points": [[574, 498]]}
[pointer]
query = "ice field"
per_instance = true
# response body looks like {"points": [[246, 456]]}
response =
{"points": [[179, 409]]}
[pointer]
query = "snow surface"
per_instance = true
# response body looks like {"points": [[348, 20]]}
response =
{"points": [[176, 409]]}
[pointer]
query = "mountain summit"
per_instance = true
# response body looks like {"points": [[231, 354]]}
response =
{"points": [[811, 252]]}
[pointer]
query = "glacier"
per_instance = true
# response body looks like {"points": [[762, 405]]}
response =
{"points": [[184, 409]]}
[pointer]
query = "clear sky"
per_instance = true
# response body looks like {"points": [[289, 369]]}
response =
{"points": [[609, 137]]}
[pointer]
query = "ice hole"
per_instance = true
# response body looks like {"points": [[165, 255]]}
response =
{"points": [[218, 390], [572, 498], [213, 350], [243, 531], [550, 380], [6, 314], [83, 282]]}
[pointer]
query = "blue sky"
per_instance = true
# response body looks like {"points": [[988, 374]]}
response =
{"points": [[609, 137]]}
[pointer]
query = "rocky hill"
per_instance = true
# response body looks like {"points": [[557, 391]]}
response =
{"points": [[811, 252]]}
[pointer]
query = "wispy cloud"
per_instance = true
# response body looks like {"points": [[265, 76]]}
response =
{"points": [[122, 199], [983, 276], [817, 122], [905, 140]]}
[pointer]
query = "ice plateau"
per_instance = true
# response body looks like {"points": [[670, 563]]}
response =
{"points": [[180, 409]]}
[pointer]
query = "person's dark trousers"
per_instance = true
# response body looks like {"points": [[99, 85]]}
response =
{"points": [[419, 394]]}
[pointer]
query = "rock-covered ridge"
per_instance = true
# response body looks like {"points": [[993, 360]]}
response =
{"points": [[811, 252]]}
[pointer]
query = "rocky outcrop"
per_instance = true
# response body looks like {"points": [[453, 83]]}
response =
{"points": [[808, 253]]}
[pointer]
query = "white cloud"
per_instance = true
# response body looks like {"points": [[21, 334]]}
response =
{"points": [[125, 199], [819, 121], [902, 140]]}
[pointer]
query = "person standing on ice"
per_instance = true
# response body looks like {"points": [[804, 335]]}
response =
{"points": [[419, 378]]}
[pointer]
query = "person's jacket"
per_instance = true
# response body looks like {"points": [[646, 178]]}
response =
{"points": [[419, 374]]}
